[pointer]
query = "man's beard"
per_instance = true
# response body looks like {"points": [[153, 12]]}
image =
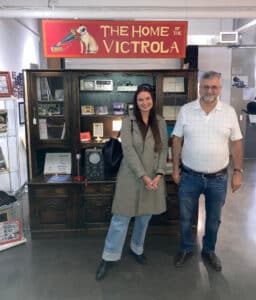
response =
{"points": [[209, 99]]}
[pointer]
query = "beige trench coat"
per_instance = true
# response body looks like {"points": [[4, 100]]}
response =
{"points": [[131, 198]]}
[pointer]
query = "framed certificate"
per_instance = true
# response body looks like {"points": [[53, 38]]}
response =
{"points": [[173, 85], [57, 163]]}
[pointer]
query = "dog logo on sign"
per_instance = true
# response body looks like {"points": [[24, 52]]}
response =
{"points": [[87, 41]]}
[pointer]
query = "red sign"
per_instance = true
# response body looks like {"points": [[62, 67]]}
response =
{"points": [[114, 39]]}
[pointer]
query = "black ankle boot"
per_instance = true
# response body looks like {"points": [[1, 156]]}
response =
{"points": [[140, 259], [102, 269]]}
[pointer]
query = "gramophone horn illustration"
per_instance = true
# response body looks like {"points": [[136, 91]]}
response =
{"points": [[88, 43], [70, 37]]}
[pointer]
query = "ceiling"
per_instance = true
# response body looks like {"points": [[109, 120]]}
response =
{"points": [[132, 9]]}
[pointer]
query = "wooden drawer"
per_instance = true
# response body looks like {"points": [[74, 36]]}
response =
{"points": [[53, 210], [44, 192], [97, 209], [100, 188], [54, 206]]}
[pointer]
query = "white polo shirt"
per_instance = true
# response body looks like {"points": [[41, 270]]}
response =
{"points": [[206, 136]]}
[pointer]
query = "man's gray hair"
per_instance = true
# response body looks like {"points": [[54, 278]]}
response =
{"points": [[210, 75]]}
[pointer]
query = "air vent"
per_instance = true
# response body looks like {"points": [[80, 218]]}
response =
{"points": [[229, 37]]}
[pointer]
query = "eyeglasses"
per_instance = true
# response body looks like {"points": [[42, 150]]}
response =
{"points": [[207, 87]]}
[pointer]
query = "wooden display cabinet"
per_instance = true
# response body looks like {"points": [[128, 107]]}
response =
{"points": [[62, 104]]}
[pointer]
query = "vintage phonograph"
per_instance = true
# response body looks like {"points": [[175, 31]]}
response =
{"points": [[66, 41]]}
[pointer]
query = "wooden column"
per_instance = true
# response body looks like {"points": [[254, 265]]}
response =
{"points": [[55, 63]]}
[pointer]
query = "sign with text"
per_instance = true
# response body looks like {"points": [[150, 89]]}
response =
{"points": [[114, 39]]}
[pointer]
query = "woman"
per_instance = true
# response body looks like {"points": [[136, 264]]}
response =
{"points": [[140, 187]]}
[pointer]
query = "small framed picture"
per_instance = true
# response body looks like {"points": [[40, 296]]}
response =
{"points": [[98, 130], [21, 113], [5, 84]]}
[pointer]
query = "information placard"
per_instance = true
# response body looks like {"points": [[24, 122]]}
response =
{"points": [[57, 163]]}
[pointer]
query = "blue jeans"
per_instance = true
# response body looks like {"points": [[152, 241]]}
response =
{"points": [[190, 188], [117, 233]]}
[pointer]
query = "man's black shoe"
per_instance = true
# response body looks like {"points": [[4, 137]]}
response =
{"points": [[140, 259], [212, 259], [102, 269], [181, 258]]}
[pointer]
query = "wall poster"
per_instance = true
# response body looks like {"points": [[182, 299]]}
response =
{"points": [[114, 39]]}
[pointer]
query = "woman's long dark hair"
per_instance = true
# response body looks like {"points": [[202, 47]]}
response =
{"points": [[152, 121]]}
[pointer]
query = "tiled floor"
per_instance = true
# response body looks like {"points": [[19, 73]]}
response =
{"points": [[56, 269]]}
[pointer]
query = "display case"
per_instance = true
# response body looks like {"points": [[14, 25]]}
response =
{"points": [[75, 112], [107, 96], [53, 194], [13, 172]]}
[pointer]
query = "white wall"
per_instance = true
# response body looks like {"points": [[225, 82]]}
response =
{"points": [[19, 48], [19, 44], [217, 59]]}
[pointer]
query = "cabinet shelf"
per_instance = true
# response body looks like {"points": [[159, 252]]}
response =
{"points": [[52, 144], [50, 101], [51, 116], [103, 116]]}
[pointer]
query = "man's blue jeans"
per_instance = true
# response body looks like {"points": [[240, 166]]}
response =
{"points": [[117, 233], [190, 188]]}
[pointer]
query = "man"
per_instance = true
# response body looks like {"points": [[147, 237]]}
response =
{"points": [[201, 138]]}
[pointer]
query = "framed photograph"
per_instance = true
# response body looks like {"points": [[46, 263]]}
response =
{"points": [[5, 84], [10, 231], [3, 120], [21, 113], [239, 81], [98, 130]]}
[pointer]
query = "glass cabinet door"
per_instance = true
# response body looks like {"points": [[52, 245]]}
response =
{"points": [[50, 109]]}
